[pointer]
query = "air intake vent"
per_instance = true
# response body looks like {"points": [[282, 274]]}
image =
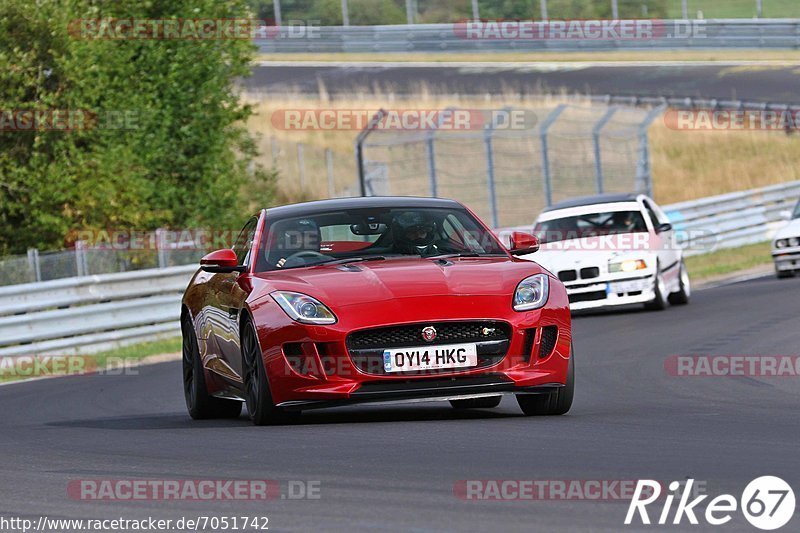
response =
{"points": [[548, 341]]}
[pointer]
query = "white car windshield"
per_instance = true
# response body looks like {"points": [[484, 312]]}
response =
{"points": [[590, 225]]}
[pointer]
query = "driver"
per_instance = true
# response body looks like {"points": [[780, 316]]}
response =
{"points": [[414, 233], [298, 243], [623, 220]]}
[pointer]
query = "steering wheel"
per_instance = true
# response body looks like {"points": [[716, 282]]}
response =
{"points": [[303, 254]]}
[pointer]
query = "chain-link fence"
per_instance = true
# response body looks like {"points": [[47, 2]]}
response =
{"points": [[308, 171], [508, 174]]}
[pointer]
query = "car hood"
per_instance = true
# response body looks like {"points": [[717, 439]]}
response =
{"points": [[356, 283], [582, 253], [792, 229]]}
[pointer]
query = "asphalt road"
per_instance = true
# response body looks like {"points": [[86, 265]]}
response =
{"points": [[394, 468], [767, 83]]}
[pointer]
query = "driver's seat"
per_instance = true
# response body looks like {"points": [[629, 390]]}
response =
{"points": [[289, 237]]}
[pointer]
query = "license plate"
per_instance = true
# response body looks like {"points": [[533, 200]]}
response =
{"points": [[627, 286], [430, 357]]}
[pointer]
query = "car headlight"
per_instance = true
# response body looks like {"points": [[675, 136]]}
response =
{"points": [[532, 292], [629, 265], [303, 308], [794, 241], [781, 243]]}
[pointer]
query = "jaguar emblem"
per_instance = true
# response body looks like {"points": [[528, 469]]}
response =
{"points": [[429, 333]]}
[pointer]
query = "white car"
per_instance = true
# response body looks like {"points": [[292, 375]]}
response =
{"points": [[612, 250], [786, 246]]}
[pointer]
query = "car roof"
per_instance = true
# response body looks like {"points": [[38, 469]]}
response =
{"points": [[361, 202], [592, 200]]}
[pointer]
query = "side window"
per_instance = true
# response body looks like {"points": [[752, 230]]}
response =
{"points": [[245, 241]]}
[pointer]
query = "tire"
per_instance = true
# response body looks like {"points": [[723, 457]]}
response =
{"points": [[477, 403], [554, 403], [659, 301], [259, 402], [685, 291], [200, 404]]}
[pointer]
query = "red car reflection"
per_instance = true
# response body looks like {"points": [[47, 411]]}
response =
{"points": [[375, 299]]}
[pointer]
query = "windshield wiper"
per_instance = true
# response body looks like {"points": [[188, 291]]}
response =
{"points": [[354, 260], [463, 254]]}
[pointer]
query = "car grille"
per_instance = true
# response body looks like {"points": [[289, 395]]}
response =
{"points": [[585, 273], [568, 275], [548, 342], [590, 272], [366, 347], [587, 296]]}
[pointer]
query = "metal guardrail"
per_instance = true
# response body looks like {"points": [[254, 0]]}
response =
{"points": [[716, 33], [734, 219], [92, 313]]}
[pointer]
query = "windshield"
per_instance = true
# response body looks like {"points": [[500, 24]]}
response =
{"points": [[590, 225], [373, 234]]}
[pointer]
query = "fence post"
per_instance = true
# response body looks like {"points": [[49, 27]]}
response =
{"points": [[598, 163], [543, 5], [759, 8], [160, 248], [301, 164], [80, 258], [329, 166], [552, 117], [685, 9], [276, 5], [431, 155], [359, 142], [644, 179], [614, 10], [33, 261], [345, 14], [487, 136]]}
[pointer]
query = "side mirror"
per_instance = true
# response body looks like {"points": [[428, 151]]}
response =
{"points": [[523, 243], [221, 261], [666, 226], [785, 214]]}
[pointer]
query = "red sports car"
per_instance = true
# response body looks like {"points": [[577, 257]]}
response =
{"points": [[373, 299]]}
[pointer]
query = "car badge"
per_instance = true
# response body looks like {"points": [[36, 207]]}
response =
{"points": [[488, 331], [429, 333]]}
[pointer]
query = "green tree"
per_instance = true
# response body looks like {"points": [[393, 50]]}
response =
{"points": [[179, 158]]}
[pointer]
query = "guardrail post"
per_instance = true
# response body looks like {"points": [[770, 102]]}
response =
{"points": [[161, 248], [329, 166], [33, 261], [487, 136], [644, 180], [552, 117], [359, 142], [598, 163], [80, 259]]}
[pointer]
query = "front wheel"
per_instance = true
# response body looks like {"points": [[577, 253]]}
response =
{"points": [[260, 406], [553, 403], [684, 288], [659, 301], [199, 402], [477, 403]]}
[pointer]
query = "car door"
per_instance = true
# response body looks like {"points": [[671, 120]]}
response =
{"points": [[230, 294], [664, 243]]}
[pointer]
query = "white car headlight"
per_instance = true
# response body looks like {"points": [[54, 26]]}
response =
{"points": [[794, 241], [781, 243], [532, 292], [303, 308], [629, 265]]}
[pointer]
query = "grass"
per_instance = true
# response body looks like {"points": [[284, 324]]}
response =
{"points": [[736, 8], [790, 56], [728, 261], [13, 369]]}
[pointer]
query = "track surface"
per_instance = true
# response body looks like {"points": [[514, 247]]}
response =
{"points": [[777, 84], [393, 468]]}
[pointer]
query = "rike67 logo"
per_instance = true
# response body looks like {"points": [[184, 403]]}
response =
{"points": [[767, 503]]}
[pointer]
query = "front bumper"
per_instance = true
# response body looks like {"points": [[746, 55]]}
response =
{"points": [[609, 291], [786, 260], [313, 366]]}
